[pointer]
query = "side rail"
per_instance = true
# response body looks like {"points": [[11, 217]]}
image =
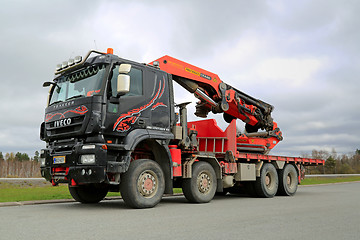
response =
{"points": [[270, 158]]}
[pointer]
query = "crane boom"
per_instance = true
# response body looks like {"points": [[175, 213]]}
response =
{"points": [[219, 97]]}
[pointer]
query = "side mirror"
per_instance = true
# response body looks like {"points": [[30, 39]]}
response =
{"points": [[123, 80], [124, 68], [123, 84], [47, 84]]}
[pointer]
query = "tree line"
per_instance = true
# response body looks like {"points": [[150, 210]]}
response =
{"points": [[22, 165], [335, 163], [19, 165]]}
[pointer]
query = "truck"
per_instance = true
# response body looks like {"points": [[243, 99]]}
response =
{"points": [[111, 125]]}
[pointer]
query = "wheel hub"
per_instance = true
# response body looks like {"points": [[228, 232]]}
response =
{"points": [[204, 182], [267, 180], [288, 180], [147, 183]]}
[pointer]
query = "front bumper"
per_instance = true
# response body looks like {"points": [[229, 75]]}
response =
{"points": [[74, 172], [79, 174]]}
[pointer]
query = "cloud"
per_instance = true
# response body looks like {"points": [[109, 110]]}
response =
{"points": [[290, 72], [300, 57]]}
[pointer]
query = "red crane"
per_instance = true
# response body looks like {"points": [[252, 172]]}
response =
{"points": [[218, 97]]}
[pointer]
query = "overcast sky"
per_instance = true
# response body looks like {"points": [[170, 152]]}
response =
{"points": [[300, 56]]}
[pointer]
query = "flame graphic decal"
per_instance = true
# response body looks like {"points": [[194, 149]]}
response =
{"points": [[125, 120], [79, 110]]}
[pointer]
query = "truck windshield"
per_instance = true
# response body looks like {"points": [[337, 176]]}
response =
{"points": [[83, 83]]}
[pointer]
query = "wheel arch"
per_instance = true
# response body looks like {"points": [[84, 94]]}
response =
{"points": [[162, 156], [158, 142], [214, 163]]}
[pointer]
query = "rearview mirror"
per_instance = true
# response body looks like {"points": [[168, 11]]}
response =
{"points": [[123, 84], [123, 80], [124, 68]]}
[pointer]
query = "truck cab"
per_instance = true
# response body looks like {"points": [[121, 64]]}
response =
{"points": [[101, 113]]}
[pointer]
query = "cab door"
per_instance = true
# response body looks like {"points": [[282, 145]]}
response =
{"points": [[146, 105]]}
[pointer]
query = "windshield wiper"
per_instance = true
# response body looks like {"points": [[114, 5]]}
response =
{"points": [[76, 96], [59, 101]]}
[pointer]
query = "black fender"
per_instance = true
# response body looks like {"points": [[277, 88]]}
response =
{"points": [[138, 135], [158, 142]]}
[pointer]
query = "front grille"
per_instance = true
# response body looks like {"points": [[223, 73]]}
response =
{"points": [[75, 126], [63, 145]]}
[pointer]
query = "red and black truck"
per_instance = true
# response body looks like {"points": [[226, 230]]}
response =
{"points": [[111, 124]]}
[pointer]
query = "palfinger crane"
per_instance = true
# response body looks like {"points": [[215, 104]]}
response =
{"points": [[218, 97]]}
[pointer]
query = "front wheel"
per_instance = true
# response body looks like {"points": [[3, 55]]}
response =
{"points": [[91, 193], [143, 185], [288, 181], [201, 187]]}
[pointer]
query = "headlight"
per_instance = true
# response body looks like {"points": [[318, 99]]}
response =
{"points": [[42, 162], [87, 159]]}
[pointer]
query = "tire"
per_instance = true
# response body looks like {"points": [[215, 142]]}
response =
{"points": [[288, 181], [267, 184], [90, 193], [201, 187], [143, 185]]}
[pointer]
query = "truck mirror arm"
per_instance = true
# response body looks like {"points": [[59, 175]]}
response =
{"points": [[114, 100]]}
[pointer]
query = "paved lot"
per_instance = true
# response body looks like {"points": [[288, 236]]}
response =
{"points": [[316, 212]]}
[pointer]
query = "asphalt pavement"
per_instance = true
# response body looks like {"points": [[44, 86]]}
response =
{"points": [[315, 212]]}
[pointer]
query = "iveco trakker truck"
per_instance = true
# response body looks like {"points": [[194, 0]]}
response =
{"points": [[111, 124]]}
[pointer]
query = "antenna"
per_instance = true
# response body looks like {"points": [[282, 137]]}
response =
{"points": [[95, 44]]}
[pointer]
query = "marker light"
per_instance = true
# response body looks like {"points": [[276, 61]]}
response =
{"points": [[58, 67], [71, 62], [64, 64], [42, 162], [156, 64], [88, 147], [78, 59], [110, 51]]}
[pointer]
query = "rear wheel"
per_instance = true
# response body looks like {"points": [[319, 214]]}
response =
{"points": [[267, 184], [89, 193], [201, 187], [143, 185], [288, 181]]}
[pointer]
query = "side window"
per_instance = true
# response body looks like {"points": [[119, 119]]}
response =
{"points": [[136, 82]]}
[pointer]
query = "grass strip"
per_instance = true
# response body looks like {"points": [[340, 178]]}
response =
{"points": [[19, 193], [28, 192], [322, 180], [34, 193]]}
